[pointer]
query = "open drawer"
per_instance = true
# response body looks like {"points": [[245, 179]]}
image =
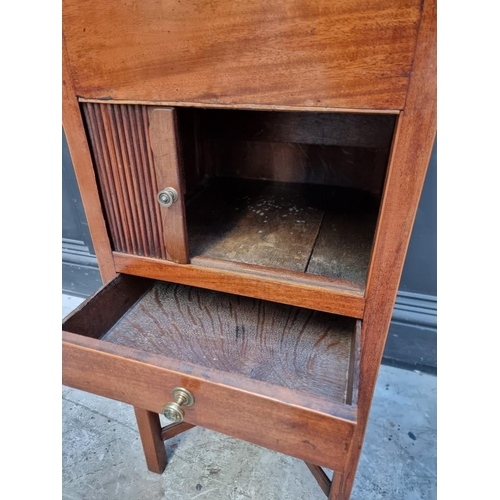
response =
{"points": [[275, 375]]}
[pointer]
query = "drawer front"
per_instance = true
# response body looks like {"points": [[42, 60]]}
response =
{"points": [[305, 434], [301, 423], [311, 54]]}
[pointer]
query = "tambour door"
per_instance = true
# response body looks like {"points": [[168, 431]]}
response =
{"points": [[137, 166]]}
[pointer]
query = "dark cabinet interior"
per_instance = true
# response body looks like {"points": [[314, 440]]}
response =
{"points": [[294, 192]]}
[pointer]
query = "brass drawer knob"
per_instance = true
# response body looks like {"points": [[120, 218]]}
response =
{"points": [[167, 197], [173, 410]]}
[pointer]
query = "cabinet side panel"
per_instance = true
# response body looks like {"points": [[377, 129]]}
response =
{"points": [[119, 140], [82, 161], [412, 147]]}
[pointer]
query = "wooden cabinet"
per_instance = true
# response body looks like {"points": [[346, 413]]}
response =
{"points": [[250, 173]]}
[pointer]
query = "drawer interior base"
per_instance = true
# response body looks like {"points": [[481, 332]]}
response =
{"points": [[300, 349], [306, 351]]}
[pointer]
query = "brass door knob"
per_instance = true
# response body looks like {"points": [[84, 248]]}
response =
{"points": [[173, 410], [167, 197]]}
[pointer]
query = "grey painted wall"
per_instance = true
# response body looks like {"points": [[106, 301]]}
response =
{"points": [[420, 270], [413, 334]]}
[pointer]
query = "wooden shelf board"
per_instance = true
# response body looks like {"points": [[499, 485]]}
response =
{"points": [[319, 230]]}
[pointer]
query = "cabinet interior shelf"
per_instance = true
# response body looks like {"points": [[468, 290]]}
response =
{"points": [[314, 229]]}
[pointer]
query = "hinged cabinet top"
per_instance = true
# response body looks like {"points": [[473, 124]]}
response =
{"points": [[325, 54]]}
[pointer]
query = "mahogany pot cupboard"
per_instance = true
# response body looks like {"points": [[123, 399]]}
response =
{"points": [[250, 172]]}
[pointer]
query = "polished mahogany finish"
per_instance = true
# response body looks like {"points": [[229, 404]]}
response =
{"points": [[351, 54], [295, 138]]}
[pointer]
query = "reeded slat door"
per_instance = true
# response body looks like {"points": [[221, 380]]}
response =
{"points": [[135, 157]]}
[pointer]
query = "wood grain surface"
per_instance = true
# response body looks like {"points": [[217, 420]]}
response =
{"points": [[298, 289], [304, 350], [311, 374], [350, 54], [324, 129], [358, 168], [302, 426], [297, 421], [179, 373], [149, 427], [84, 171], [415, 134], [320, 230], [119, 140], [164, 140], [254, 222], [341, 149], [239, 107], [343, 247]]}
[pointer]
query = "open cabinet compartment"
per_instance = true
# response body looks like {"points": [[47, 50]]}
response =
{"points": [[287, 198], [136, 339], [295, 191]]}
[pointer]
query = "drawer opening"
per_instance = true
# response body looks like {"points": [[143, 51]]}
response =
{"points": [[227, 338], [293, 191]]}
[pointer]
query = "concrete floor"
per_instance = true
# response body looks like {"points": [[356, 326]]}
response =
{"points": [[102, 453]]}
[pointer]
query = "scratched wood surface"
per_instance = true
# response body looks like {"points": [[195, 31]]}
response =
{"points": [[320, 230], [255, 222], [304, 350], [343, 247], [350, 54]]}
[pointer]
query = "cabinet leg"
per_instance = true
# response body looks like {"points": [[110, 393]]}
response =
{"points": [[342, 485], [152, 442]]}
